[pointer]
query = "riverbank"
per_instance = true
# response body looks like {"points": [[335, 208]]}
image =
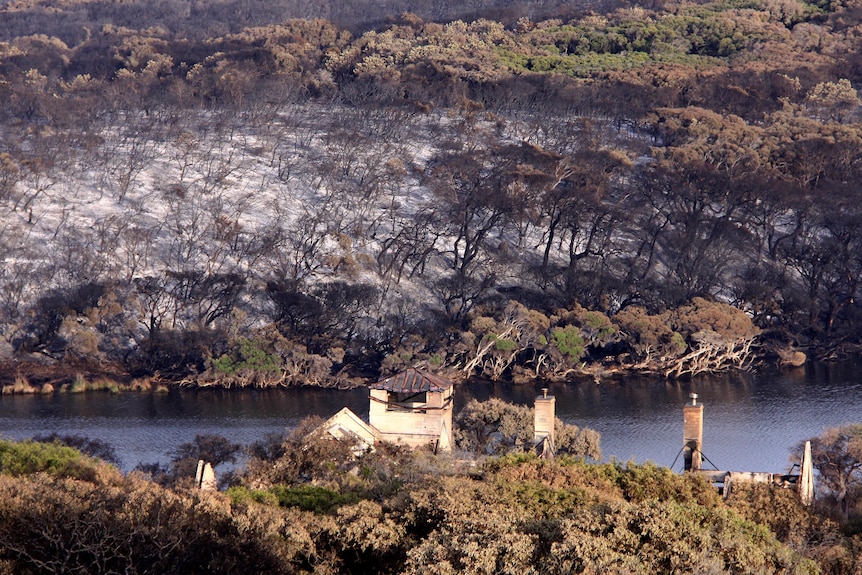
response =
{"points": [[24, 378], [45, 376], [32, 377], [751, 420]]}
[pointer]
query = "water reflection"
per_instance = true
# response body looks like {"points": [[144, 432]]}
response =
{"points": [[750, 421]]}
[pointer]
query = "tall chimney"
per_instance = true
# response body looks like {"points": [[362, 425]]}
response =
{"points": [[543, 428], [806, 477], [692, 432]]}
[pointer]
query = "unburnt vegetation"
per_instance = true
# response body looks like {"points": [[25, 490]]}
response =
{"points": [[221, 194], [307, 504]]}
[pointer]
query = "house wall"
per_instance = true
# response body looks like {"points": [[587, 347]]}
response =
{"points": [[414, 425]]}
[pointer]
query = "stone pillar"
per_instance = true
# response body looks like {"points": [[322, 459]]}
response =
{"points": [[205, 478], [806, 477], [543, 427], [692, 439]]}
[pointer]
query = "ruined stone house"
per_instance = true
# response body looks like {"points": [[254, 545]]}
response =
{"points": [[415, 408], [412, 407]]}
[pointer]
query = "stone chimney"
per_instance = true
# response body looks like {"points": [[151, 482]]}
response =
{"points": [[692, 440], [543, 427]]}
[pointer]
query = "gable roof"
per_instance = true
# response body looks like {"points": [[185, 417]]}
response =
{"points": [[347, 425], [412, 381]]}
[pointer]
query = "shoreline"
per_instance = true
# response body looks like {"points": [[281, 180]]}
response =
{"points": [[34, 378]]}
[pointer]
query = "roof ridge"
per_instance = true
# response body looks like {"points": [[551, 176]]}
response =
{"points": [[413, 380]]}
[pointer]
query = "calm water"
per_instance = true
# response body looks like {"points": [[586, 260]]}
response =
{"points": [[750, 421]]}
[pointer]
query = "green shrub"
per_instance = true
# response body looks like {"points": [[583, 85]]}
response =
{"points": [[314, 498], [250, 355], [513, 459], [543, 501], [242, 495], [569, 341], [28, 457], [503, 344]]}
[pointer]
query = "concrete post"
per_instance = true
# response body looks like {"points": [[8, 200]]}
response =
{"points": [[692, 440], [208, 478], [543, 426], [205, 478], [806, 477]]}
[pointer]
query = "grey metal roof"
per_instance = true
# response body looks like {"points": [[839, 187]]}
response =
{"points": [[412, 381]]}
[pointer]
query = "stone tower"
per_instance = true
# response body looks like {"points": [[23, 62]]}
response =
{"points": [[692, 440], [543, 426]]}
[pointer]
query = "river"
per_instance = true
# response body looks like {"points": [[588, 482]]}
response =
{"points": [[751, 421]]}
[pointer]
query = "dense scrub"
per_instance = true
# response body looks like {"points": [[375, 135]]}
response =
{"points": [[222, 195], [514, 514]]}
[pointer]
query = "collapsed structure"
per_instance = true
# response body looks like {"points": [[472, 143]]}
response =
{"points": [[692, 451], [415, 408], [543, 425], [412, 407]]}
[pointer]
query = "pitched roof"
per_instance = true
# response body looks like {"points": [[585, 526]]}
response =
{"points": [[412, 381], [346, 423]]}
